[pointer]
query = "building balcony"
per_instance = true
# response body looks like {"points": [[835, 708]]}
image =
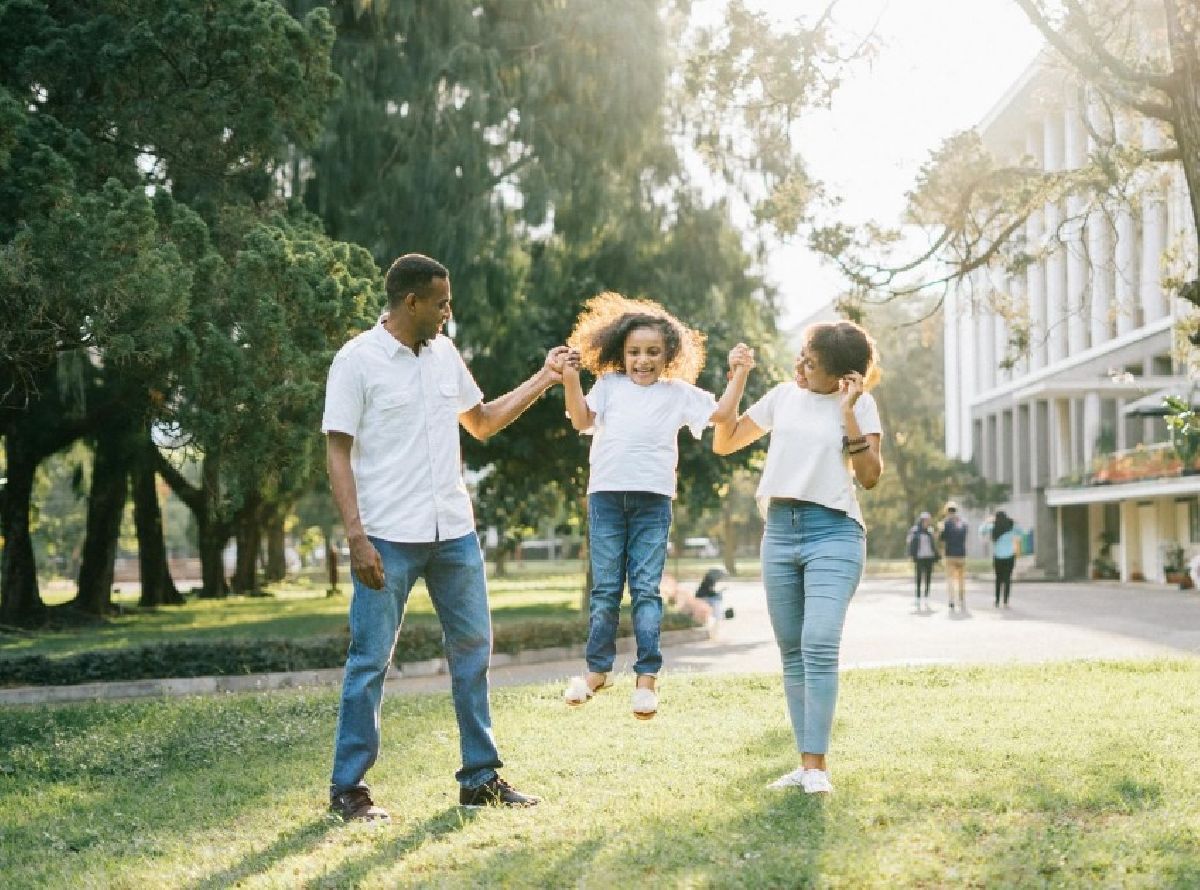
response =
{"points": [[1145, 471]]}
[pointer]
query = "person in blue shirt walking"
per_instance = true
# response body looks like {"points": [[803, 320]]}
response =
{"points": [[1003, 532]]}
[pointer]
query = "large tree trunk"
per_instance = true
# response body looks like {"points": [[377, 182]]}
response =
{"points": [[276, 547], [203, 501], [20, 601], [211, 539], [158, 588], [106, 504], [249, 533]]}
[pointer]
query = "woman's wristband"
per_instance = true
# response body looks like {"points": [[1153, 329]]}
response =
{"points": [[859, 450], [848, 443]]}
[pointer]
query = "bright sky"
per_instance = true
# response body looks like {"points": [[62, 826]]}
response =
{"points": [[942, 66]]}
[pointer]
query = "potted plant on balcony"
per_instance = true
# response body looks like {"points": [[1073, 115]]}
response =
{"points": [[1184, 424], [1174, 568]]}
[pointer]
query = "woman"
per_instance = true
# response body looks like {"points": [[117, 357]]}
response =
{"points": [[922, 550], [825, 434], [1003, 533]]}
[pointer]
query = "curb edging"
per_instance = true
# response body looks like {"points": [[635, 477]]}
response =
{"points": [[177, 686]]}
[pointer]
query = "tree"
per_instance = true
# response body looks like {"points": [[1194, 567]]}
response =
{"points": [[102, 102], [1133, 62]]}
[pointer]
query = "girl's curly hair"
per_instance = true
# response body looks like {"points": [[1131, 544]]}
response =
{"points": [[606, 321]]}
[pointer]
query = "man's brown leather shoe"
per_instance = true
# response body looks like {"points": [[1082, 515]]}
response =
{"points": [[356, 805]]}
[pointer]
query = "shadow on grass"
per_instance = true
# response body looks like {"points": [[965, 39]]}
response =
{"points": [[299, 840], [391, 850]]}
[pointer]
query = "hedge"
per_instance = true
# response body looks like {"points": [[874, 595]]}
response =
{"points": [[417, 642]]}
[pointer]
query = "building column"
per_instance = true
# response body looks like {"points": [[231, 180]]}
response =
{"points": [[1099, 241], [1060, 439], [1035, 274], [1125, 254], [1075, 150], [1056, 265], [1091, 425]]}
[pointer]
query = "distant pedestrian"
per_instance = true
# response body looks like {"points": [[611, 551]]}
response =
{"points": [[922, 550], [954, 549], [1003, 533]]}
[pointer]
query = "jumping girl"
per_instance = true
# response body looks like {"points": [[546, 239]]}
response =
{"points": [[646, 362]]}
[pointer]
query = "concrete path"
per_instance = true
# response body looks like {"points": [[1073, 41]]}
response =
{"points": [[1046, 622]]}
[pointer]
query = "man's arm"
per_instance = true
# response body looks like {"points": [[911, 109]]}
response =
{"points": [[488, 418], [364, 558]]}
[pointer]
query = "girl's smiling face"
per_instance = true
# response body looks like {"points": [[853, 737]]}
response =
{"points": [[812, 376], [645, 355]]}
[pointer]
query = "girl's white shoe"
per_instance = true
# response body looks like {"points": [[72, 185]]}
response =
{"points": [[645, 703], [577, 691]]}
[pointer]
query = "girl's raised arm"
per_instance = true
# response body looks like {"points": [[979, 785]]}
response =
{"points": [[741, 362], [582, 417]]}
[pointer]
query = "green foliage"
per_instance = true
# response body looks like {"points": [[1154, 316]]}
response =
{"points": [[1184, 424]]}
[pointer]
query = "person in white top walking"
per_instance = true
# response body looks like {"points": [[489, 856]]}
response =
{"points": [[825, 436], [646, 361], [395, 398]]}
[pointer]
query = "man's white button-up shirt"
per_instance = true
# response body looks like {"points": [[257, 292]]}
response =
{"points": [[402, 410]]}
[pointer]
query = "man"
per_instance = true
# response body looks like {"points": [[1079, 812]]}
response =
{"points": [[954, 546], [395, 397], [923, 551]]}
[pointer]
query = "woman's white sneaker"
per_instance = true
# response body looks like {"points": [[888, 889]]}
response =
{"points": [[812, 781], [791, 780]]}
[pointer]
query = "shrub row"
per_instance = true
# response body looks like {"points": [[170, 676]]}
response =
{"points": [[417, 642]]}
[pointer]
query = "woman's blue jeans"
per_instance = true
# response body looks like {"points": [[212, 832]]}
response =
{"points": [[812, 561], [454, 576], [627, 539]]}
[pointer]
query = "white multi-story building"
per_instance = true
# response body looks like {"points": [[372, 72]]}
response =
{"points": [[1090, 474]]}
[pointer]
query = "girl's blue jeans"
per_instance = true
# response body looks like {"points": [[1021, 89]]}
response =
{"points": [[454, 576], [812, 561], [627, 540]]}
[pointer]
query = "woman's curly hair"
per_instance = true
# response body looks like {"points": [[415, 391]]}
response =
{"points": [[842, 347], [606, 321]]}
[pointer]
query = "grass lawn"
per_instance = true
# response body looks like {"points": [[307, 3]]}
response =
{"points": [[298, 609], [1071, 775], [294, 611]]}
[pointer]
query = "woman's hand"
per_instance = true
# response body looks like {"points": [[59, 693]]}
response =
{"points": [[851, 387]]}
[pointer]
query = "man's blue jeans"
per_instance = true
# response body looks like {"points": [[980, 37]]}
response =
{"points": [[453, 572], [627, 539], [812, 561]]}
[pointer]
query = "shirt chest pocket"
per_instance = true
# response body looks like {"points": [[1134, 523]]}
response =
{"points": [[446, 397], [394, 407]]}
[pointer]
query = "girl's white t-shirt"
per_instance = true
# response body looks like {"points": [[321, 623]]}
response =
{"points": [[805, 459], [635, 438]]}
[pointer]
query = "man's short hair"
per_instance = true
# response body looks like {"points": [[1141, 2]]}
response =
{"points": [[412, 273]]}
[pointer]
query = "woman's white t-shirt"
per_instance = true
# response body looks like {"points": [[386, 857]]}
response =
{"points": [[805, 459], [635, 438]]}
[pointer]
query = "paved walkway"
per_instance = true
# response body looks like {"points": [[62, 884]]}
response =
{"points": [[1046, 622]]}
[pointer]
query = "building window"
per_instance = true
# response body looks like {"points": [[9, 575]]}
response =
{"points": [[1193, 521]]}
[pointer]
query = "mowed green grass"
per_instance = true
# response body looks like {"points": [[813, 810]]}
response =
{"points": [[293, 611], [1068, 775]]}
